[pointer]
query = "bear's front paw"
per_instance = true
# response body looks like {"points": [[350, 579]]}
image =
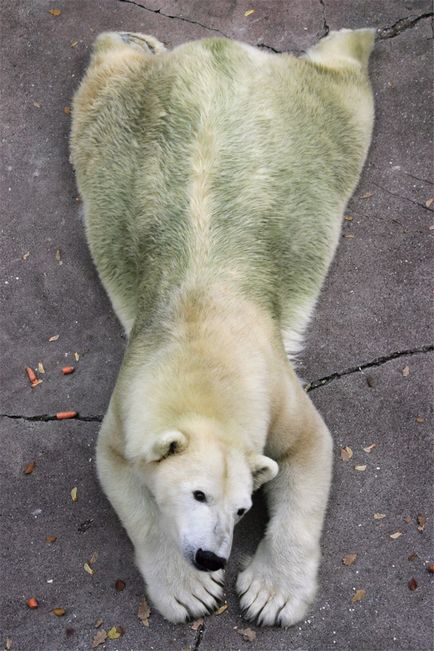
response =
{"points": [[276, 595], [188, 595]]}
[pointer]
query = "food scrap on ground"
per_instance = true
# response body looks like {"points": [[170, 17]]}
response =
{"points": [[349, 559], [32, 602], [430, 568], [412, 584], [74, 494], [144, 612], [67, 370], [33, 378], [379, 516], [53, 338], [55, 12], [59, 612], [51, 539], [41, 368], [249, 12], [29, 468], [87, 568], [197, 624], [64, 415], [360, 468], [119, 585]]}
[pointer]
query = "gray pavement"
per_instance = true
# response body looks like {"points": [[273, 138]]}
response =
{"points": [[371, 324]]}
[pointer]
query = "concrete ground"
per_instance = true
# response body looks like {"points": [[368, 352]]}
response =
{"points": [[367, 356]]}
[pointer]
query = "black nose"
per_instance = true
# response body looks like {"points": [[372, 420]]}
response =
{"points": [[208, 561]]}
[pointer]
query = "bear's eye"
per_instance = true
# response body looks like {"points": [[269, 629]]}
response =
{"points": [[199, 496], [241, 512]]}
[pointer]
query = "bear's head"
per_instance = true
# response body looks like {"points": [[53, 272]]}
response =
{"points": [[202, 486]]}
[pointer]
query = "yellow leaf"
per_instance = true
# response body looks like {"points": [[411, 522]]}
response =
{"points": [[360, 468], [54, 12], [59, 612], [222, 609], [249, 12], [396, 535], [358, 596], [87, 568], [74, 494], [114, 633], [379, 516], [41, 368], [73, 44]]}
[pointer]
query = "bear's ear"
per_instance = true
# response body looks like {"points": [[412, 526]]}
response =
{"points": [[263, 469], [163, 445]]}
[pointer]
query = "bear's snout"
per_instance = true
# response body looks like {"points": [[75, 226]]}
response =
{"points": [[208, 561]]}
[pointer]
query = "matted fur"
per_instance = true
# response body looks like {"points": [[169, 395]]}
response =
{"points": [[214, 179]]}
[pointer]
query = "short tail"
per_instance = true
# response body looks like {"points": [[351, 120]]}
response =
{"points": [[345, 48]]}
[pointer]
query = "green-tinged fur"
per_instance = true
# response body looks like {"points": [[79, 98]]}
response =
{"points": [[284, 140]]}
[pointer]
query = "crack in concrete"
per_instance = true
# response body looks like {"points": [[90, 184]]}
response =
{"points": [[394, 194], [379, 361], [400, 26], [325, 26], [186, 20], [45, 418], [418, 178]]}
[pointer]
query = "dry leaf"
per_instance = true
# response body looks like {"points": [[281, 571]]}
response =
{"points": [[59, 612], [429, 202], [26, 255], [222, 609], [249, 12], [87, 568], [93, 558], [407, 519], [349, 559], [76, 357], [144, 612], [100, 638], [366, 195], [29, 468], [51, 539], [98, 622], [358, 596], [54, 12], [115, 632], [412, 584], [369, 448], [54, 338], [119, 585], [396, 535], [197, 624], [346, 453], [421, 522], [361, 468], [406, 371], [348, 218], [412, 557], [73, 44], [349, 237], [67, 110], [58, 256], [74, 494], [41, 368], [420, 419], [379, 516], [248, 634]]}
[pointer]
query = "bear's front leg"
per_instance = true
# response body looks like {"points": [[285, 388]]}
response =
{"points": [[280, 582], [176, 588]]}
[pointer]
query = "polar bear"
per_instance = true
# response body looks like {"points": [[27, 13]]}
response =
{"points": [[214, 178]]}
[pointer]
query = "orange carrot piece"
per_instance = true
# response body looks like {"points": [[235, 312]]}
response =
{"points": [[32, 602], [31, 375], [67, 370], [63, 415]]}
